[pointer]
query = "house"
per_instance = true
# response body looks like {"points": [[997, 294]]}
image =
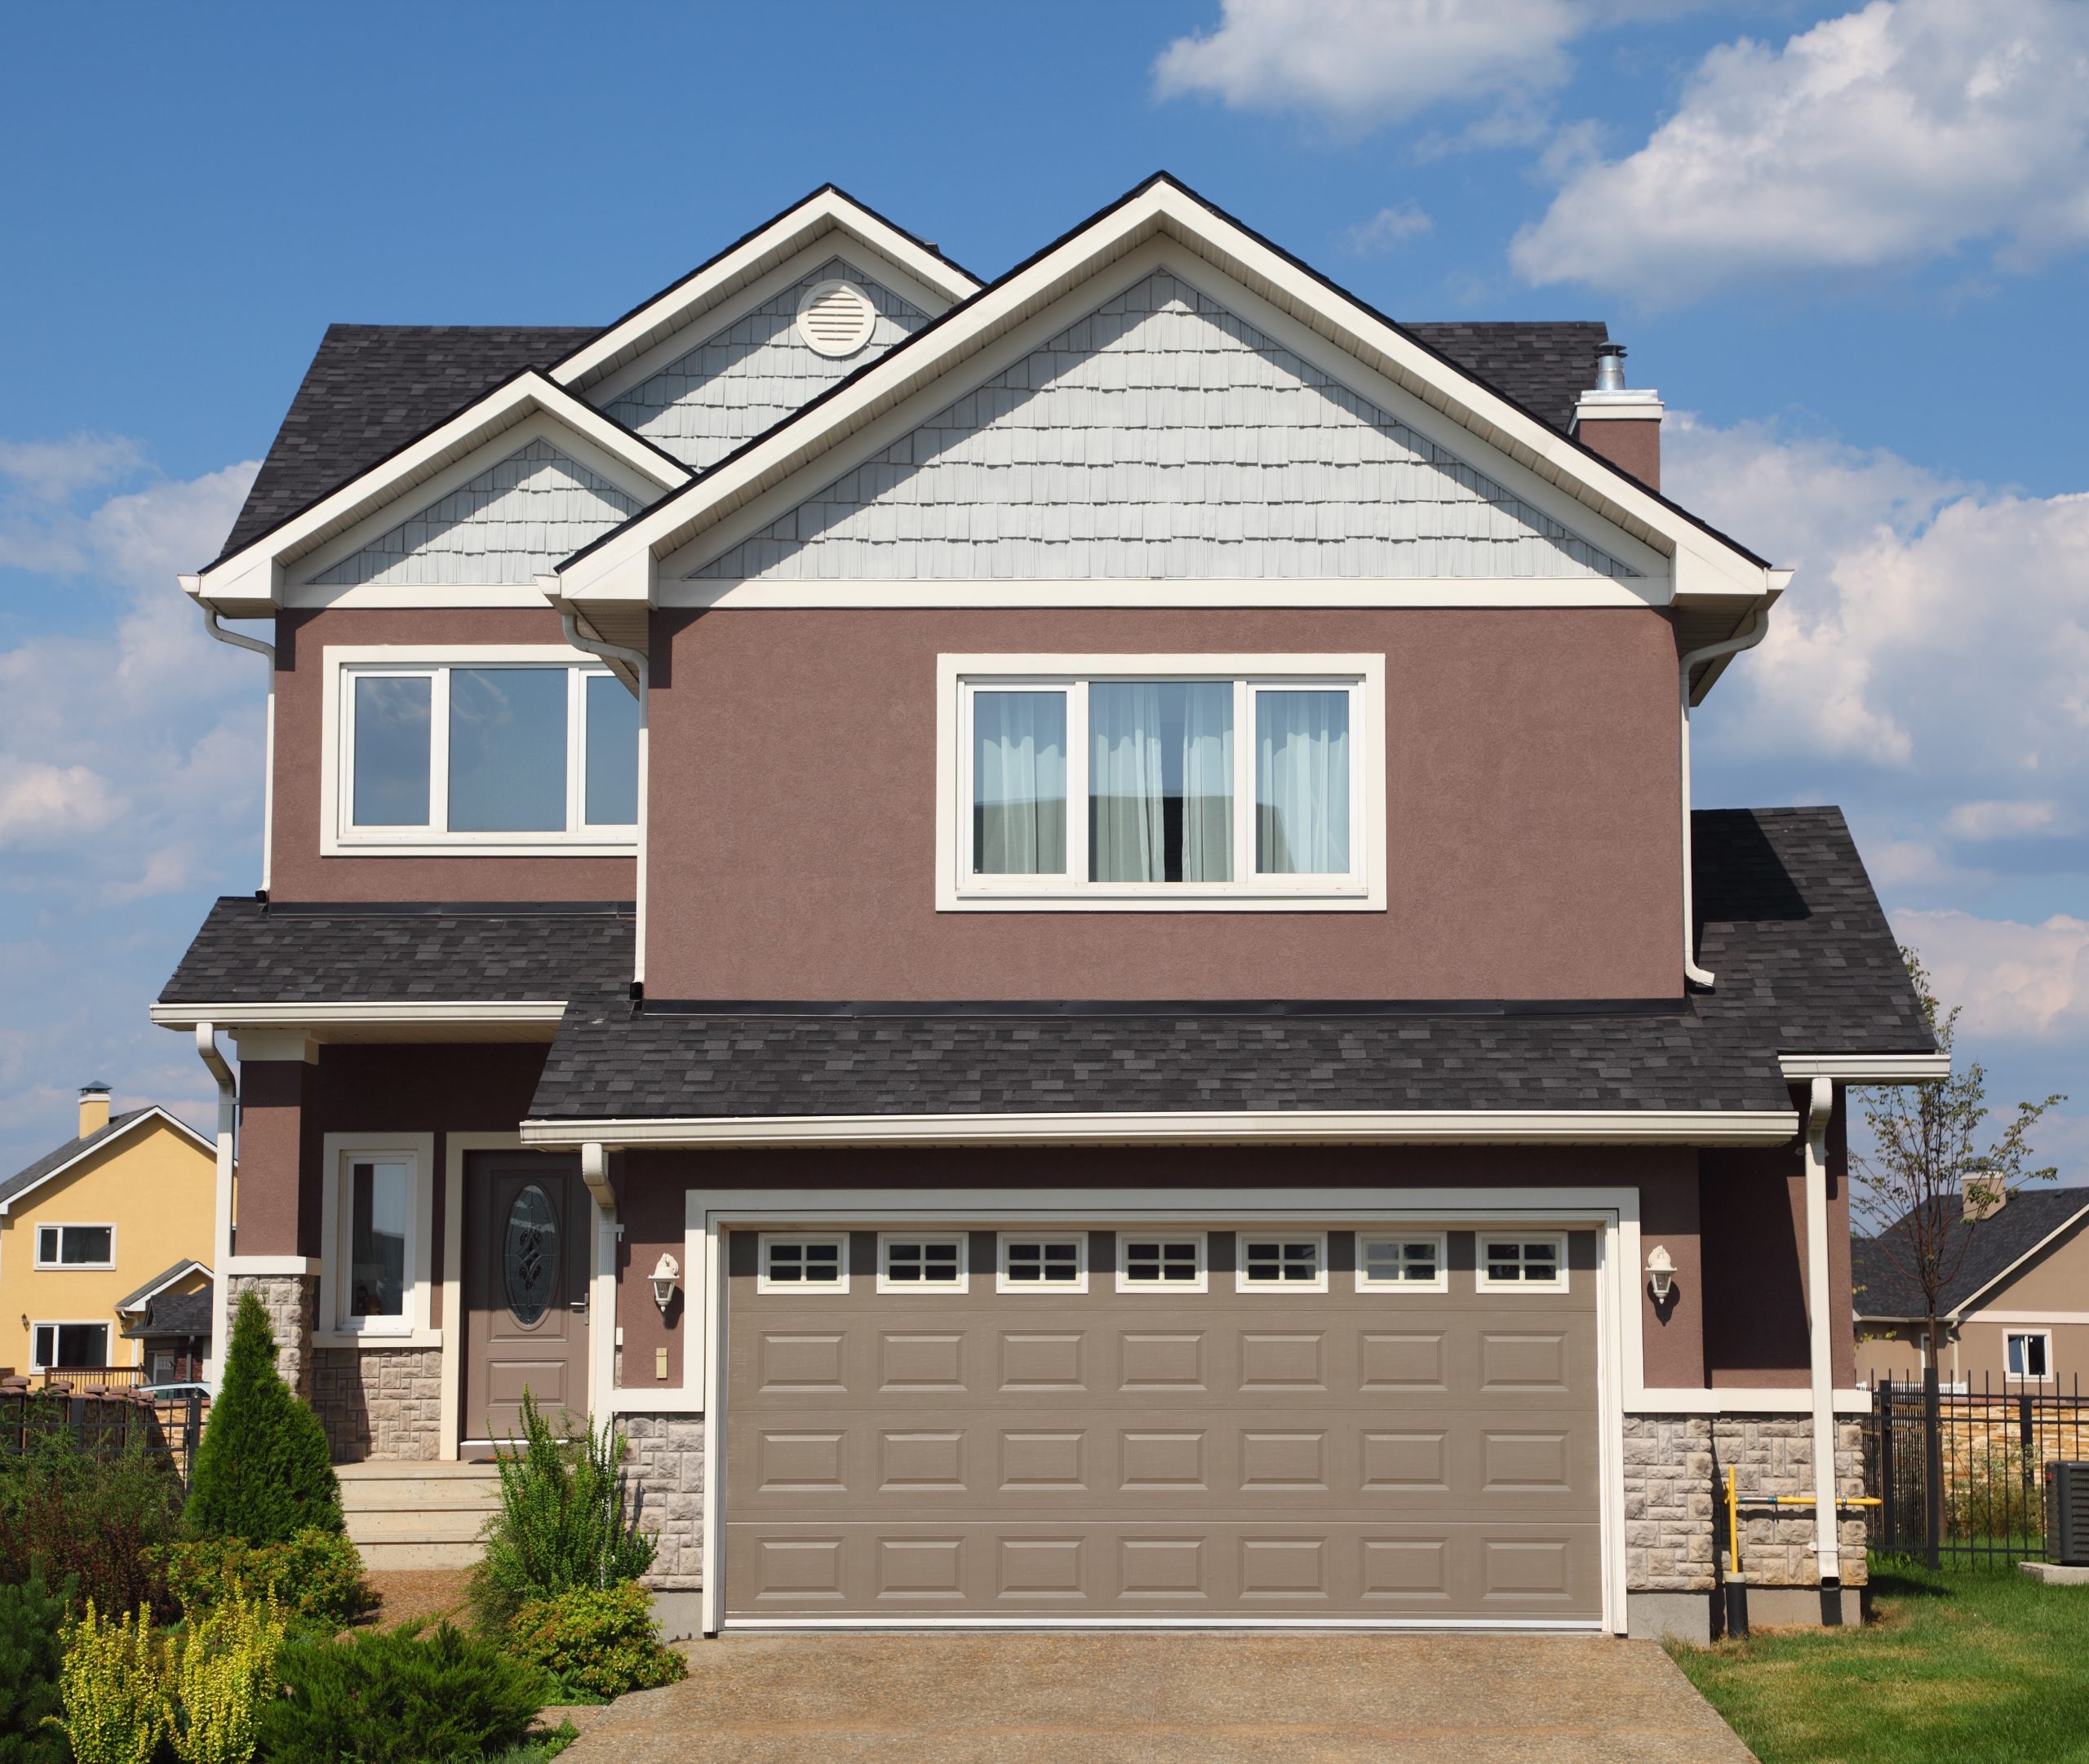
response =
{"points": [[2015, 1309], [1049, 933], [99, 1232]]}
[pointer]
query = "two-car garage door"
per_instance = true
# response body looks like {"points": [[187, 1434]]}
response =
{"points": [[1165, 1425]]}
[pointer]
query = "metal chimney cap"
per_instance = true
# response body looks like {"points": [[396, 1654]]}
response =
{"points": [[1610, 367], [95, 1087]]}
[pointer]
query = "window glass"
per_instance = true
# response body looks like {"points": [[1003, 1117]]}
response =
{"points": [[805, 1264], [1301, 783], [87, 1244], [2027, 1356], [391, 784], [71, 1344], [612, 779], [1389, 1262], [1161, 1261], [1019, 783], [46, 1243], [1532, 1262], [379, 1196], [918, 1264], [508, 749], [1276, 1261], [1160, 781], [1047, 1262]]}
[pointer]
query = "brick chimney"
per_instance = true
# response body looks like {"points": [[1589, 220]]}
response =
{"points": [[1991, 1197], [94, 1107], [1623, 425]]}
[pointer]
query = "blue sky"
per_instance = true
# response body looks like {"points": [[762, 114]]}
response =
{"points": [[1847, 244]]}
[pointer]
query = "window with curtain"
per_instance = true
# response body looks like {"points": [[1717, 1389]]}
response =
{"points": [[1019, 783]]}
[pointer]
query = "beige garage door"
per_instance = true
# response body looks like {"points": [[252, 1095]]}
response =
{"points": [[1133, 1426]]}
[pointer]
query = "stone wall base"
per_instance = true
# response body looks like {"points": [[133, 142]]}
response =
{"points": [[664, 1468], [379, 1403], [292, 1303]]}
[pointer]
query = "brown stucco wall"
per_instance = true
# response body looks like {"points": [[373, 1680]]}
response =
{"points": [[1534, 848], [652, 1213], [299, 872], [274, 1165]]}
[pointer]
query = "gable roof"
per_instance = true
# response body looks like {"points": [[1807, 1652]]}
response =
{"points": [[174, 1314], [55, 1163], [1992, 1248], [165, 1277]]}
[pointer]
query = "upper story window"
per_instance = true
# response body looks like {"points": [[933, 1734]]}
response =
{"points": [[506, 753], [1163, 781], [76, 1245]]}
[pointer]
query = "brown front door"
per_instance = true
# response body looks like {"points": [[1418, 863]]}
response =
{"points": [[526, 1288]]}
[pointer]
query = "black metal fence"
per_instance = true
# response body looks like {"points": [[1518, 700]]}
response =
{"points": [[1960, 1473], [102, 1422]]}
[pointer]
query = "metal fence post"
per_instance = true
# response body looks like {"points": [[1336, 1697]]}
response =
{"points": [[1933, 1467], [1889, 1514]]}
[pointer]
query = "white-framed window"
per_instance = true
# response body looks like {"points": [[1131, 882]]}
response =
{"points": [[76, 1245], [508, 749], [2027, 1355], [922, 1261], [376, 1229], [1162, 1261], [793, 1262], [1033, 1261], [68, 1344], [1401, 1261], [1292, 1262], [1522, 1261], [1158, 782]]}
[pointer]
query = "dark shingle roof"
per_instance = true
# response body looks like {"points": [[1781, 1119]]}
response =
{"points": [[30, 1174], [159, 1279], [2004, 1238], [1545, 365], [175, 1313]]}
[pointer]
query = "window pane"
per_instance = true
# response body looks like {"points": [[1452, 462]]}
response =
{"points": [[1019, 783], [934, 1264], [1043, 1263], [1301, 783], [801, 1264], [1160, 781], [391, 751], [46, 1243], [612, 781], [46, 1345], [508, 749], [82, 1344], [86, 1243], [2034, 1356], [1168, 1262], [378, 1199]]}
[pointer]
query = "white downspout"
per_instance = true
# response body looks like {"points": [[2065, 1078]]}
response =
{"points": [[206, 1050], [1820, 1332], [633, 659], [1692, 973], [268, 652], [602, 1284]]}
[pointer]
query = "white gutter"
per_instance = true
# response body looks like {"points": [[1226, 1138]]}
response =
{"points": [[206, 1050], [1820, 1105], [636, 661], [1748, 640], [267, 651]]}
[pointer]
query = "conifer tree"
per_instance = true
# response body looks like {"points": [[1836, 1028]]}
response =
{"points": [[263, 1471]]}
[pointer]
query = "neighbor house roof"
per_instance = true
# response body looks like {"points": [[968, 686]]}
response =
{"points": [[1991, 1249], [55, 1163], [165, 1277], [174, 1314]]}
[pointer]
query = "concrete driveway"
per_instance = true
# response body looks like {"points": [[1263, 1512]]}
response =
{"points": [[1146, 1699]]}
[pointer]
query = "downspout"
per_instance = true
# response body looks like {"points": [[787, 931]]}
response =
{"points": [[206, 1050], [601, 1285], [634, 660], [1820, 1319], [1693, 974], [268, 652]]}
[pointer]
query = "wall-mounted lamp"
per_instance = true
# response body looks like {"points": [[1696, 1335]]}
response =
{"points": [[1661, 1272], [667, 1271]]}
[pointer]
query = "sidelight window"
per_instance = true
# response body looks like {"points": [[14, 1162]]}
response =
{"points": [[376, 1225]]}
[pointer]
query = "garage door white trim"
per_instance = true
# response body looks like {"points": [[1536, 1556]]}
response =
{"points": [[1613, 1213]]}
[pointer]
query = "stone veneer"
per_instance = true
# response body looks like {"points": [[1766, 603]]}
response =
{"points": [[292, 1303], [665, 1471], [379, 1402], [1675, 1468]]}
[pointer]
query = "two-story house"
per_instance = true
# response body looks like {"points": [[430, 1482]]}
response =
{"points": [[1050, 933]]}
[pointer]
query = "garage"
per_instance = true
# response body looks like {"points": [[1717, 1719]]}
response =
{"points": [[1310, 1424]]}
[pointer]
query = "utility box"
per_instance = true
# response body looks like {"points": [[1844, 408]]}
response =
{"points": [[2067, 1514]]}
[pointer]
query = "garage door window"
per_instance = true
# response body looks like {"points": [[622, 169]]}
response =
{"points": [[1286, 1264], [1161, 1264], [804, 1264], [1401, 1264], [1523, 1263], [910, 1263], [1044, 1264]]}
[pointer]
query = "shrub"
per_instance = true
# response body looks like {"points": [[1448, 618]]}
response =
{"points": [[98, 1521], [262, 1472], [595, 1644], [32, 1627], [221, 1674], [388, 1696], [315, 1575], [561, 1523], [115, 1703]]}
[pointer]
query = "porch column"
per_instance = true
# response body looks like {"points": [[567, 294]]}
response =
{"points": [[277, 1239], [1820, 1322]]}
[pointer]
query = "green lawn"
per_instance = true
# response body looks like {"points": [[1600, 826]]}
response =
{"points": [[1982, 1666]]}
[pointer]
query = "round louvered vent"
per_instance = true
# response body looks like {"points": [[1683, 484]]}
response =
{"points": [[836, 318]]}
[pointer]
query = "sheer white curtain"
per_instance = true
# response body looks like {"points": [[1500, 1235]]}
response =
{"points": [[1301, 783], [1160, 781], [1019, 783], [1207, 782]]}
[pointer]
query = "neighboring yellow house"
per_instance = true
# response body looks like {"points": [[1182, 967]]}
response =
{"points": [[105, 1247]]}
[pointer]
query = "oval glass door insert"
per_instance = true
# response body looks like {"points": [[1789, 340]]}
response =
{"points": [[531, 1257]]}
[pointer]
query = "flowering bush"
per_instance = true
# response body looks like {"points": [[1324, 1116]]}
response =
{"points": [[595, 1644]]}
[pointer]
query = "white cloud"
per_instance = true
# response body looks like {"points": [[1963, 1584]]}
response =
{"points": [[2002, 820], [41, 804], [53, 471], [1890, 135], [1389, 229], [2015, 981]]}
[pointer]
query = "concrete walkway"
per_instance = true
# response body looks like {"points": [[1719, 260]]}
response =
{"points": [[1105, 1699]]}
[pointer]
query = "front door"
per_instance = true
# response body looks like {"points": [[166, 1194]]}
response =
{"points": [[526, 1289]]}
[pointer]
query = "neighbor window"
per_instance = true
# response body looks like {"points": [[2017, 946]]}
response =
{"points": [[76, 1245], [496, 754], [1522, 1261], [1414, 1263], [2027, 1354], [1165, 787], [69, 1345], [908, 1264]]}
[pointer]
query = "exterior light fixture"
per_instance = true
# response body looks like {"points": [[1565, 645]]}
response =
{"points": [[1661, 1272], [667, 1271]]}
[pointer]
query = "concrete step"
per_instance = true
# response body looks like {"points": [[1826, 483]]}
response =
{"points": [[420, 1524], [382, 1558], [406, 1494]]}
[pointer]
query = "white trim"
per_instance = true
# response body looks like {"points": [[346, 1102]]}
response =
{"points": [[412, 1330], [763, 1283], [1055, 1288], [1243, 1283], [962, 1240], [1389, 1127], [1794, 1400], [1440, 1283], [1163, 1235], [38, 1265], [361, 1013], [108, 1339], [455, 1330], [153, 1291], [1963, 1309], [152, 1112], [864, 319], [1866, 1068], [270, 1267], [2025, 1334], [291, 1045], [1483, 1282], [897, 1625], [1487, 593], [1362, 676], [2057, 1318]]}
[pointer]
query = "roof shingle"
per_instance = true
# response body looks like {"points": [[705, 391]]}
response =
{"points": [[2031, 1216]]}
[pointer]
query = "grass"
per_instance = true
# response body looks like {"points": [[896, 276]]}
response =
{"points": [[1967, 1666], [540, 1750]]}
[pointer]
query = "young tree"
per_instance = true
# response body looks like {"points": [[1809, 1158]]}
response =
{"points": [[263, 1471], [1927, 1182]]}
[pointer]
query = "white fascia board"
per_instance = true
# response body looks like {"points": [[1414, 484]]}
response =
{"points": [[1866, 1068], [1729, 1399], [1768, 1127], [938, 286], [250, 583], [144, 1118], [231, 1017]]}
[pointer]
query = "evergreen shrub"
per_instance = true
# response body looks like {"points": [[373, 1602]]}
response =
{"points": [[262, 1472], [595, 1644], [32, 1645]]}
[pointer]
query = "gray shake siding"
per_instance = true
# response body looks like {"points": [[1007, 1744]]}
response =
{"points": [[1161, 437], [524, 515], [754, 373]]}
